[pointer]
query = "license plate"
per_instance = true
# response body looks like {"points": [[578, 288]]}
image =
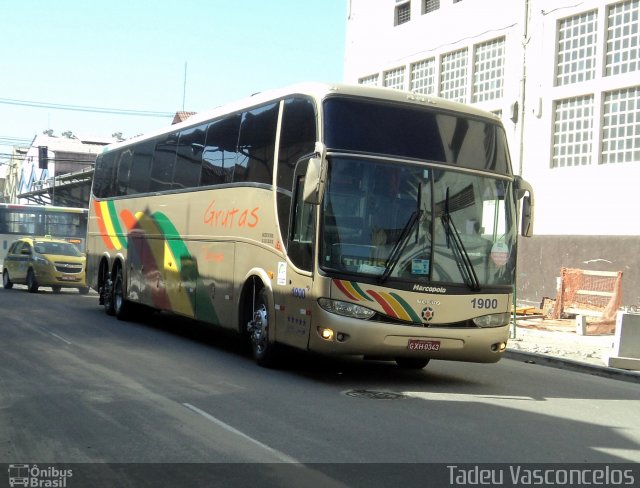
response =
{"points": [[68, 278], [423, 345]]}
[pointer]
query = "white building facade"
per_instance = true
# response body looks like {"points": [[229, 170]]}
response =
{"points": [[565, 78]]}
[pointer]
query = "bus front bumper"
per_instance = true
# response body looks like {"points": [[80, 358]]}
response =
{"points": [[353, 337]]}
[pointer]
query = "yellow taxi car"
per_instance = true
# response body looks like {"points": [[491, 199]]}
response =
{"points": [[44, 261]]}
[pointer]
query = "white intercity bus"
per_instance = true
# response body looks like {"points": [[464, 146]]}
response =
{"points": [[345, 220]]}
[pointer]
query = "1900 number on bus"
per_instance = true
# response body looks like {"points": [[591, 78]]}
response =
{"points": [[484, 303]]}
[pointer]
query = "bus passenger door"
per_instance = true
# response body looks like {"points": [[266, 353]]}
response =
{"points": [[294, 284], [214, 294]]}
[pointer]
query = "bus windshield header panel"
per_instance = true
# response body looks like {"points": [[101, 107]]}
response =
{"points": [[416, 132]]}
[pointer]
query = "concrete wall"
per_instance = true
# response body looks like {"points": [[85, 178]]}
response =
{"points": [[541, 258]]}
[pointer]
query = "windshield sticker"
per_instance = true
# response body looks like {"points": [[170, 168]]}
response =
{"points": [[420, 266], [500, 253]]}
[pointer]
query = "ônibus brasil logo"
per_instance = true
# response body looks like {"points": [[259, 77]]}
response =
{"points": [[34, 476]]}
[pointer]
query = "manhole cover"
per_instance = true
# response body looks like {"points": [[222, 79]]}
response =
{"points": [[375, 395]]}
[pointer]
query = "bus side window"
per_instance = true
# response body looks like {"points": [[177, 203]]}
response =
{"points": [[219, 154], [297, 139], [189, 157], [123, 168], [103, 179], [164, 160], [256, 145], [141, 168]]}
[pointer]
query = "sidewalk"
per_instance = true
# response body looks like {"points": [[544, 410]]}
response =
{"points": [[556, 342]]}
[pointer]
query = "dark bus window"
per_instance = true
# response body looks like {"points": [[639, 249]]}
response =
{"points": [[141, 168], [189, 157], [256, 145], [219, 155], [164, 160], [297, 139], [415, 132], [103, 177], [124, 166]]}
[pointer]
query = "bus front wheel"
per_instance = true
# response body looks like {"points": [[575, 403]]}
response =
{"points": [[258, 329]]}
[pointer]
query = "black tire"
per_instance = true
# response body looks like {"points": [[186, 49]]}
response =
{"points": [[83, 290], [56, 289], [106, 296], [412, 363], [122, 308], [32, 282], [6, 281], [264, 351]]}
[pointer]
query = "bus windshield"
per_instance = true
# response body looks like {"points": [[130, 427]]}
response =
{"points": [[418, 224]]}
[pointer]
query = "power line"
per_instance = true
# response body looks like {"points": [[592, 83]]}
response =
{"points": [[79, 108]]}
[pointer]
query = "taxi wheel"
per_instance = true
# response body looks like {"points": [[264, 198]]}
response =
{"points": [[83, 290], [412, 363], [32, 283], [56, 289], [6, 281]]}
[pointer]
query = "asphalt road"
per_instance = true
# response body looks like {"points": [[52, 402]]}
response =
{"points": [[78, 386]]}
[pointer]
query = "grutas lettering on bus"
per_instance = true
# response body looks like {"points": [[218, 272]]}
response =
{"points": [[231, 217]]}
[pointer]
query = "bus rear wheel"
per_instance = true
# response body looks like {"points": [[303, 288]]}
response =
{"points": [[258, 329], [412, 363], [121, 306]]}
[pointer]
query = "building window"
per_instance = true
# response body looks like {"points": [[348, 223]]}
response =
{"points": [[423, 77], [453, 76], [573, 132], [488, 71], [369, 80], [430, 6], [403, 13], [623, 38], [621, 126], [576, 59], [394, 78]]}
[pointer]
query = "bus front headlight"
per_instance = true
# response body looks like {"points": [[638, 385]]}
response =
{"points": [[346, 308], [493, 320]]}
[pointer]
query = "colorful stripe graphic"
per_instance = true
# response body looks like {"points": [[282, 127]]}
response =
{"points": [[392, 303]]}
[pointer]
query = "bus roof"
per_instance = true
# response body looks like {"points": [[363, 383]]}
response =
{"points": [[318, 91]]}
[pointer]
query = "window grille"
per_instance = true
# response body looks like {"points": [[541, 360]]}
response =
{"points": [[423, 77], [403, 13], [453, 76], [394, 78], [621, 126], [623, 38], [488, 73], [573, 132], [576, 58]]}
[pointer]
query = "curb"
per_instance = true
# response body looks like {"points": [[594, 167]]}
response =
{"points": [[571, 365]]}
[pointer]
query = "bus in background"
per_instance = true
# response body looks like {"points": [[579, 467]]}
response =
{"points": [[66, 223], [345, 220]]}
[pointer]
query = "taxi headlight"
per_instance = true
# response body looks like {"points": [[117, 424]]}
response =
{"points": [[345, 308], [41, 260], [493, 320]]}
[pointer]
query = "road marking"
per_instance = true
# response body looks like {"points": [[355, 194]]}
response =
{"points": [[280, 455], [56, 335]]}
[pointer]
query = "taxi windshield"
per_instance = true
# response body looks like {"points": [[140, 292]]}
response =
{"points": [[58, 248]]}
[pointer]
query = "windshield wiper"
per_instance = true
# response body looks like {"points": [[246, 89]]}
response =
{"points": [[401, 243], [460, 253]]}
